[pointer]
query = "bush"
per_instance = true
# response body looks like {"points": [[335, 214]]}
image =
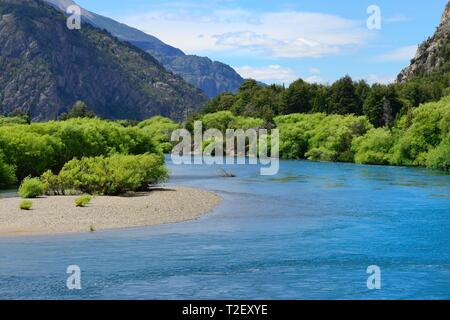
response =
{"points": [[374, 148], [319, 137], [112, 175], [422, 131], [26, 205], [7, 173], [36, 148], [31, 188], [221, 120], [439, 158], [160, 130], [83, 201]]}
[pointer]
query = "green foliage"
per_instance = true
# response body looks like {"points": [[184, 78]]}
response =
{"points": [[78, 110], [160, 130], [422, 131], [53, 184], [381, 105], [374, 148], [26, 205], [246, 123], [420, 138], [7, 173], [31, 188], [344, 98], [319, 137], [6, 121], [297, 98], [332, 139], [83, 201], [295, 132], [439, 158], [252, 100], [224, 120], [219, 120], [113, 175], [38, 147]]}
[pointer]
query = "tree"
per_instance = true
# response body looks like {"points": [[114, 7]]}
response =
{"points": [[297, 98], [382, 105], [343, 98], [78, 110]]}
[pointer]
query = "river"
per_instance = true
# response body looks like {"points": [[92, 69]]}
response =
{"points": [[308, 233]]}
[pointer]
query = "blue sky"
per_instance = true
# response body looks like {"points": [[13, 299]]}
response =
{"points": [[279, 41]]}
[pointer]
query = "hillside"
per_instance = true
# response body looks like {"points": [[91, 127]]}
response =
{"points": [[45, 68], [211, 77], [433, 54]]}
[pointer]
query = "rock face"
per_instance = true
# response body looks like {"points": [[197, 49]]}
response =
{"points": [[45, 68], [211, 77], [431, 54]]}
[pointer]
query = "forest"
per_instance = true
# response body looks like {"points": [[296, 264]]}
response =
{"points": [[381, 104], [398, 124]]}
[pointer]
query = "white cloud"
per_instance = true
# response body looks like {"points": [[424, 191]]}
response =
{"points": [[314, 70], [269, 74], [290, 34], [381, 79], [399, 54], [397, 18], [315, 79]]}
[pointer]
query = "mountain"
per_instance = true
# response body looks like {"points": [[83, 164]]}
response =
{"points": [[45, 68], [211, 77], [433, 54]]}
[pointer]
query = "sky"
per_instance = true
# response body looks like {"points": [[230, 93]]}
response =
{"points": [[281, 41]]}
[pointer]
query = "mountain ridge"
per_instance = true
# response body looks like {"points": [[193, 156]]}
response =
{"points": [[45, 68], [212, 77]]}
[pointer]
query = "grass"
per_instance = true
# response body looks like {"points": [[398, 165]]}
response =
{"points": [[83, 201], [26, 205], [31, 188]]}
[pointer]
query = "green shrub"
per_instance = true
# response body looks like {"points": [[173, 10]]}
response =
{"points": [[113, 175], [7, 173], [374, 148], [54, 185], [319, 137], [36, 148], [160, 130], [26, 205], [83, 201], [422, 131], [31, 188], [8, 121], [221, 120], [439, 158]]}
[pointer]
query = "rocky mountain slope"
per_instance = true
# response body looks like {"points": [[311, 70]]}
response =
{"points": [[210, 76], [432, 54], [45, 68]]}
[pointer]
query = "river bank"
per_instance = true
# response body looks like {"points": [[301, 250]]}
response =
{"points": [[59, 215]]}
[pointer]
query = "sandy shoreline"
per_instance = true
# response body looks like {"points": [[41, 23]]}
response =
{"points": [[59, 215]]}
